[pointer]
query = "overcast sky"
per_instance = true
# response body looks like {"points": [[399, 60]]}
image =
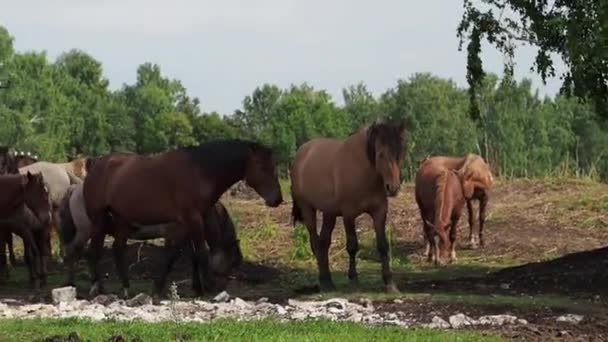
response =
{"points": [[222, 50]]}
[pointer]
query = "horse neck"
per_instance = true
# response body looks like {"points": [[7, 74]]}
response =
{"points": [[13, 194], [355, 146], [222, 184]]}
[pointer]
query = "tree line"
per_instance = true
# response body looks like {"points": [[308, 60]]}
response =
{"points": [[63, 108]]}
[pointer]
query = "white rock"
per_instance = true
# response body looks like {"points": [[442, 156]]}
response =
{"points": [[222, 297], [570, 318], [459, 320], [262, 300], [355, 317], [242, 304], [64, 294], [281, 310], [438, 323], [139, 300], [497, 319], [398, 301]]}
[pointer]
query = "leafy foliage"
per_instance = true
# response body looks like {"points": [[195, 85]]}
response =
{"points": [[59, 109], [576, 31]]}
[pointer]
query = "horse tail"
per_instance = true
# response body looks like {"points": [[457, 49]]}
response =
{"points": [[67, 227], [440, 193], [296, 213]]}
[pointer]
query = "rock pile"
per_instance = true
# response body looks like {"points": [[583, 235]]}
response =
{"points": [[140, 307]]}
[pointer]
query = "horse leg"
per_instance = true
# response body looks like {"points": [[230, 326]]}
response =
{"points": [[483, 203], [39, 240], [329, 222], [428, 238], [3, 264], [32, 257], [118, 249], [197, 286], [94, 253], [379, 217], [11, 249], [453, 231], [309, 216], [352, 246], [171, 254], [472, 241]]}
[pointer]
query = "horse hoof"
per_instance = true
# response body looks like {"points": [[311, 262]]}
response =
{"points": [[125, 293], [95, 290], [392, 289], [156, 299]]}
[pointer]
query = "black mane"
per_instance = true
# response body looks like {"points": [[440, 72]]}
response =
{"points": [[219, 158], [387, 134]]}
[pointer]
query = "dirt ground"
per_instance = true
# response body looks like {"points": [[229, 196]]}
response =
{"points": [[531, 225]]}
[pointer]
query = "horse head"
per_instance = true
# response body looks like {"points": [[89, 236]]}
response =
{"points": [[36, 196], [385, 150], [261, 174]]}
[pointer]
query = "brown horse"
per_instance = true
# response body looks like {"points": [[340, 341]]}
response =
{"points": [[24, 208], [348, 177], [225, 253], [440, 197], [472, 167], [123, 190], [14, 161]]}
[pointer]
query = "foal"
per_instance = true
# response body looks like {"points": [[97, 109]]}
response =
{"points": [[440, 198]]}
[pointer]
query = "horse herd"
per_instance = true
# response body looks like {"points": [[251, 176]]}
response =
{"points": [[175, 195]]}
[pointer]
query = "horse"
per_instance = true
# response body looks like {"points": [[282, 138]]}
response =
{"points": [[75, 232], [475, 168], [124, 189], [440, 195], [348, 177], [58, 177], [24, 207], [17, 160]]}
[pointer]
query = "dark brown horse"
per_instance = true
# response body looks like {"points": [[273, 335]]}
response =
{"points": [[225, 253], [123, 190], [440, 198], [348, 177], [13, 161], [24, 209]]}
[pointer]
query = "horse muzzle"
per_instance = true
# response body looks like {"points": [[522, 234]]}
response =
{"points": [[391, 190]]}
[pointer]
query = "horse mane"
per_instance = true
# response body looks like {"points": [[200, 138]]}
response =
{"points": [[440, 193], [474, 167], [218, 157]]}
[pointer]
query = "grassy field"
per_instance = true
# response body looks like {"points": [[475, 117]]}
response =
{"points": [[224, 330], [528, 221]]}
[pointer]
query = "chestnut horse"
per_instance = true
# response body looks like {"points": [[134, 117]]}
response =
{"points": [[348, 177], [75, 232], [24, 208], [472, 167], [123, 190], [440, 195]]}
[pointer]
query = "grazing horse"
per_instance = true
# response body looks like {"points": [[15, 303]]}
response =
{"points": [[75, 232], [122, 190], [348, 177], [472, 167], [440, 195], [24, 207]]}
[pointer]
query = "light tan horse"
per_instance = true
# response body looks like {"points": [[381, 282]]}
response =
{"points": [[440, 195], [473, 167], [348, 177]]}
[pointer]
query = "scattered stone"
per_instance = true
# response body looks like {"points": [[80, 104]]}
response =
{"points": [[281, 310], [438, 323], [460, 320], [105, 300], [398, 301], [497, 320], [242, 304], [64, 294], [570, 318], [262, 300], [222, 297], [139, 300], [505, 286]]}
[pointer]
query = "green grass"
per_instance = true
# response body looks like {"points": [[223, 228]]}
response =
{"points": [[225, 330]]}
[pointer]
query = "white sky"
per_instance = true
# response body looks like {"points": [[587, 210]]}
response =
{"points": [[222, 50]]}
